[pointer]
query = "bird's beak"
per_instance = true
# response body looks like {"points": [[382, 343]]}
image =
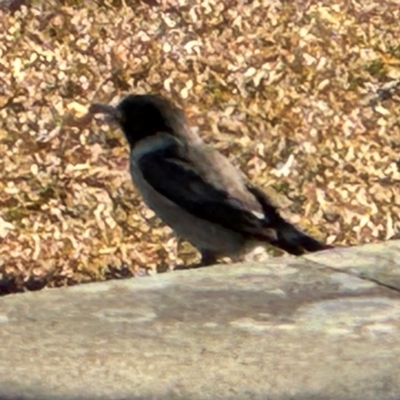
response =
{"points": [[112, 115]]}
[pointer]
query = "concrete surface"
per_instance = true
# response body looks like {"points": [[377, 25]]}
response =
{"points": [[325, 326]]}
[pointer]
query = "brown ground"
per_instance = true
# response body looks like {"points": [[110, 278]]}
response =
{"points": [[303, 95]]}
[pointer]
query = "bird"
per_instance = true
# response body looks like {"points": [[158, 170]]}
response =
{"points": [[195, 189]]}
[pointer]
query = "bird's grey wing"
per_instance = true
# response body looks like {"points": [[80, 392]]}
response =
{"points": [[224, 175], [174, 172]]}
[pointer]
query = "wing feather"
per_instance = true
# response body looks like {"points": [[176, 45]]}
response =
{"points": [[173, 173]]}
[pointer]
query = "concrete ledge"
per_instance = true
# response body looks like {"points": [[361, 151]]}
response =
{"points": [[325, 326]]}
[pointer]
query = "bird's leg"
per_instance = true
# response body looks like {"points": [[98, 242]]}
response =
{"points": [[179, 241], [239, 258], [207, 258], [178, 244]]}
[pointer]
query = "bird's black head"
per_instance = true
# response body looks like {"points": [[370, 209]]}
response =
{"points": [[140, 116]]}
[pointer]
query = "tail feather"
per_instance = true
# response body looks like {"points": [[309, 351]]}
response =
{"points": [[288, 237], [296, 242]]}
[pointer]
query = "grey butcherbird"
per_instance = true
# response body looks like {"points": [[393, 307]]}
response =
{"points": [[196, 190]]}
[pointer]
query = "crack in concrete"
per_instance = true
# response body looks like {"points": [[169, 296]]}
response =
{"points": [[359, 276]]}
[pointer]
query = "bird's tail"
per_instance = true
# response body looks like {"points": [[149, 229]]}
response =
{"points": [[287, 236], [295, 242]]}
